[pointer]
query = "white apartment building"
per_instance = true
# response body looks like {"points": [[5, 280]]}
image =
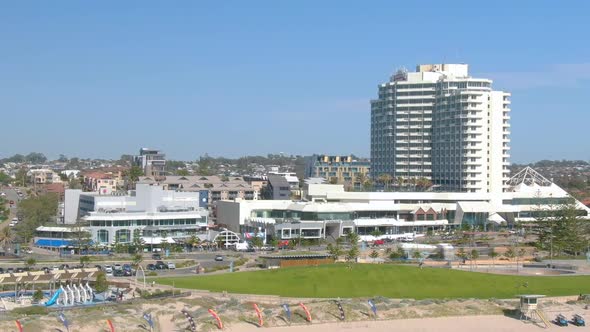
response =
{"points": [[441, 124]]}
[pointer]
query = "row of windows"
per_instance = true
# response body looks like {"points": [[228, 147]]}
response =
{"points": [[128, 223]]}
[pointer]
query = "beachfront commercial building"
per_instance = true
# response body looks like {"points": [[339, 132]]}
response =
{"points": [[441, 124], [155, 213], [330, 212]]}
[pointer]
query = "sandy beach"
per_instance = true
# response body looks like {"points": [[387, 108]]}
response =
{"points": [[442, 324]]}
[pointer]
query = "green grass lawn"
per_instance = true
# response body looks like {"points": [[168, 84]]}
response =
{"points": [[395, 281]]}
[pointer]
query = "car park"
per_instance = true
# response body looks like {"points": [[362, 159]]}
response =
{"points": [[160, 265], [128, 270]]}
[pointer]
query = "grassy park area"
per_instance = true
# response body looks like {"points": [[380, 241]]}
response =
{"points": [[394, 281]]}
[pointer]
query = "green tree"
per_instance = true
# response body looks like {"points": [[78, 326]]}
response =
{"points": [[84, 260], [5, 179], [21, 177], [386, 180], [376, 233], [182, 172], [36, 211], [473, 256], [138, 242], [30, 262], [38, 295], [82, 238], [35, 158], [374, 255], [334, 250], [560, 229], [205, 166], [6, 237], [132, 176], [257, 242], [352, 253], [510, 253], [353, 238], [416, 254], [493, 254], [137, 259], [101, 284]]}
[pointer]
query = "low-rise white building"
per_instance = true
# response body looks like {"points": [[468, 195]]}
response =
{"points": [[330, 211], [153, 212]]}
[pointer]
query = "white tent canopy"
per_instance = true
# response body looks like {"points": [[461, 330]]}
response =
{"points": [[157, 240]]}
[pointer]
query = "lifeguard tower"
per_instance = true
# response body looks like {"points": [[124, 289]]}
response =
{"points": [[529, 310]]}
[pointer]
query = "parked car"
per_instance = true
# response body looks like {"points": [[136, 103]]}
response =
{"points": [[156, 256], [98, 267], [108, 269], [118, 273], [10, 270], [160, 265], [219, 258], [19, 270], [1, 270], [151, 267], [171, 266], [129, 271], [117, 267]]}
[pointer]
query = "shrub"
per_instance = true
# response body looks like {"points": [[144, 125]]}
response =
{"points": [[34, 310], [38, 295]]}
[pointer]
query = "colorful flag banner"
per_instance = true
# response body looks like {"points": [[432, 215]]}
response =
{"points": [[111, 326], [341, 310], [307, 313], [18, 326], [259, 313], [148, 319], [217, 318], [63, 319], [373, 307], [287, 311], [190, 319]]}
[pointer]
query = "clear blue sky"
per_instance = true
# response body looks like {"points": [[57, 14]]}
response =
{"points": [[104, 78]]}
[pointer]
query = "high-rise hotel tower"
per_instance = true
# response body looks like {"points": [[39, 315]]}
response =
{"points": [[441, 124]]}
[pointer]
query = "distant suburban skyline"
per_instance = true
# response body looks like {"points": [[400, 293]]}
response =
{"points": [[250, 78]]}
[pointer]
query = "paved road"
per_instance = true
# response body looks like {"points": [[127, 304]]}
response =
{"points": [[11, 195]]}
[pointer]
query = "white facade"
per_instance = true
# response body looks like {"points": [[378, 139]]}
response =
{"points": [[392, 213], [150, 209], [441, 124]]}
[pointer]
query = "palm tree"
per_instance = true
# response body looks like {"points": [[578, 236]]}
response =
{"points": [[6, 238], [386, 180], [400, 181]]}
